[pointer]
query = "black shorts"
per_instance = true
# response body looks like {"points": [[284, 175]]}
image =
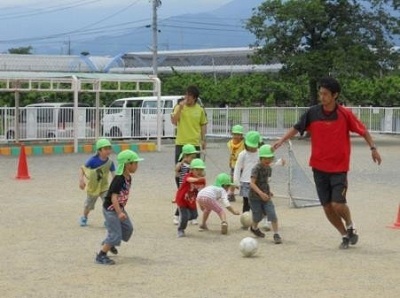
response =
{"points": [[331, 187]]}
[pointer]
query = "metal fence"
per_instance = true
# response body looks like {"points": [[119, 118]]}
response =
{"points": [[57, 123]]}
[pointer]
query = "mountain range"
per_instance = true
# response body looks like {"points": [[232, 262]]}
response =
{"points": [[223, 27]]}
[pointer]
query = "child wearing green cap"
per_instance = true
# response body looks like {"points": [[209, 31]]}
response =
{"points": [[182, 167], [246, 160], [210, 199], [187, 193], [235, 146], [118, 224], [93, 176], [260, 195]]}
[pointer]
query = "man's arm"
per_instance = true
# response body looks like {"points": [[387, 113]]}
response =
{"points": [[203, 136], [376, 157], [288, 135]]}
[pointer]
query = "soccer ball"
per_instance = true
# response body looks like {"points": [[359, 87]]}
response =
{"points": [[248, 246], [246, 219]]}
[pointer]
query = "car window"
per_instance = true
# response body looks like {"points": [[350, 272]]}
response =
{"points": [[116, 107], [134, 103], [149, 107]]}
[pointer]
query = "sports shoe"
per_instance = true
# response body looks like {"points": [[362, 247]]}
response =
{"points": [[277, 239], [257, 232], [114, 250], [83, 221], [353, 236], [224, 228], [194, 222], [181, 233], [104, 260], [176, 220], [203, 228], [345, 243]]}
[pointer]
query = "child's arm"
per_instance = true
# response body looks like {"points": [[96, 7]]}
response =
{"points": [[82, 183], [196, 180], [117, 207], [178, 169], [233, 211], [238, 168], [253, 186]]}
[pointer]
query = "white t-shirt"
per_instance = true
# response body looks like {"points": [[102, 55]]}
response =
{"points": [[216, 193], [245, 163]]}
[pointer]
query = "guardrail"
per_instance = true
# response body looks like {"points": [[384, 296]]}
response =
{"points": [[56, 124]]}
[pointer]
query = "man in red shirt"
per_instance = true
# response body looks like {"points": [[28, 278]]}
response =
{"points": [[329, 125]]}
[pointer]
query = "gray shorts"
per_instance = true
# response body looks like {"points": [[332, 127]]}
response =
{"points": [[260, 208], [90, 201], [117, 230], [244, 189]]}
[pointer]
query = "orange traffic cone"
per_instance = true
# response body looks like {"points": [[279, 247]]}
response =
{"points": [[396, 224], [22, 165]]}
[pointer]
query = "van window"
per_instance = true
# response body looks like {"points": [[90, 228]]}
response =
{"points": [[134, 103], [113, 107], [150, 107]]}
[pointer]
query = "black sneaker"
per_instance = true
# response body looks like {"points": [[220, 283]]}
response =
{"points": [[277, 239], [114, 250], [353, 236], [345, 243], [104, 260], [257, 232]]}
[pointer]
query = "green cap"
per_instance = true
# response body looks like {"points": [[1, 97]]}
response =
{"points": [[237, 129], [187, 149], [252, 139], [266, 151], [125, 157], [197, 163], [223, 179], [101, 143]]}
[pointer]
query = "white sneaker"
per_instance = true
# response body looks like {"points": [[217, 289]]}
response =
{"points": [[194, 222], [176, 220]]}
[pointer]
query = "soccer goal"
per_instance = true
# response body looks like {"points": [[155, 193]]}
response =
{"points": [[294, 181]]}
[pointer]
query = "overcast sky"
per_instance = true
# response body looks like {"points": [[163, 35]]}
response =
{"points": [[22, 21]]}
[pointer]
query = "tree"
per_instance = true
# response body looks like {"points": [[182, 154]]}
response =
{"points": [[317, 38], [21, 50]]}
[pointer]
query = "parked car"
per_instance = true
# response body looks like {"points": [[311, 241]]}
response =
{"points": [[51, 120]]}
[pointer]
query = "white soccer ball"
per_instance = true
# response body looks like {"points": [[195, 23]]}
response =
{"points": [[246, 219], [248, 246]]}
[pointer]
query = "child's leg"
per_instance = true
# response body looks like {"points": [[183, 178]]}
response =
{"points": [[269, 210], [87, 207], [126, 228], [246, 205], [183, 218], [257, 215]]}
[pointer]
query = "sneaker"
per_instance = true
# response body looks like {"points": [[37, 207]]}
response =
{"points": [[353, 236], [176, 220], [181, 233], [257, 232], [345, 243], [83, 221], [277, 239], [194, 222], [104, 260], [224, 228], [114, 250], [203, 228]]}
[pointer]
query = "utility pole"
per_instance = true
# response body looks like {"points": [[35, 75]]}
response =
{"points": [[156, 4]]}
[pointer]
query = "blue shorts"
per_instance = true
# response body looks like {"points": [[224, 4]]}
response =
{"points": [[331, 187], [261, 208]]}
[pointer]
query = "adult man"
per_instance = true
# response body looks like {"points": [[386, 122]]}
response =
{"points": [[329, 125], [191, 122]]}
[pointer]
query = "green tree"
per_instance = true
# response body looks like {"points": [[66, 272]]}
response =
{"points": [[21, 50], [316, 38]]}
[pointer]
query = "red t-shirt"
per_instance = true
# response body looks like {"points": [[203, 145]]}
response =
{"points": [[187, 192], [330, 137]]}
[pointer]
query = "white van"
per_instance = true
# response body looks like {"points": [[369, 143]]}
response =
{"points": [[137, 117], [51, 120]]}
